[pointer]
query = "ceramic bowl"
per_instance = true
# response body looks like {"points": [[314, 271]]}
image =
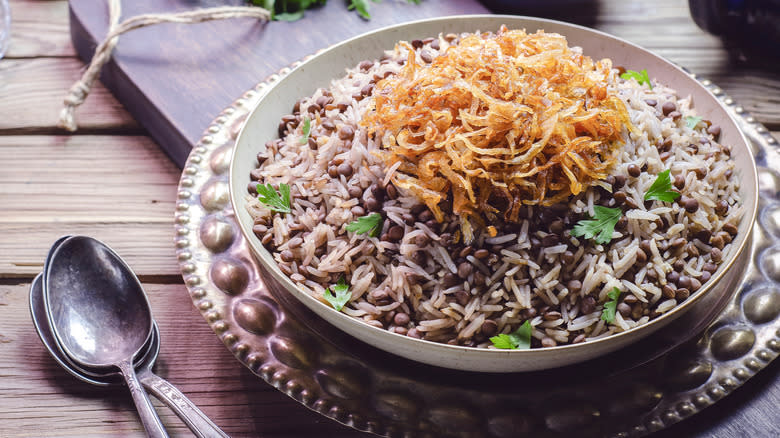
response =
{"points": [[318, 71]]}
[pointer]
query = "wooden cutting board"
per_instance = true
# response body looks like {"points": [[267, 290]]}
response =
{"points": [[176, 78]]}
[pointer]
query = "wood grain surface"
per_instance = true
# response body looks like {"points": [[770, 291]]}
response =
{"points": [[113, 182]]}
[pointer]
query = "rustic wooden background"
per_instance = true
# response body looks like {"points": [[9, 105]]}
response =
{"points": [[111, 181]]}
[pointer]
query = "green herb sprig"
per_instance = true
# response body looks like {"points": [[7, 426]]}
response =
{"points": [[640, 76], [342, 294], [601, 226], [661, 189], [610, 307], [371, 224], [692, 121], [520, 339], [306, 130], [292, 10], [268, 196], [362, 7]]}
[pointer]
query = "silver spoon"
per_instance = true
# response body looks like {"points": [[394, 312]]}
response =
{"points": [[195, 419], [99, 315]]}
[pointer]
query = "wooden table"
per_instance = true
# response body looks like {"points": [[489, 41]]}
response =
{"points": [[112, 182]]}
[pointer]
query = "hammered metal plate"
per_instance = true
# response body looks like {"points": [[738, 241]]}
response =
{"points": [[633, 392]]}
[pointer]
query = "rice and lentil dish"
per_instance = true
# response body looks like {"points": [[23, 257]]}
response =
{"points": [[469, 186]]}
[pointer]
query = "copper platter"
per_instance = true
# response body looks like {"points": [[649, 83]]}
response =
{"points": [[633, 392]]}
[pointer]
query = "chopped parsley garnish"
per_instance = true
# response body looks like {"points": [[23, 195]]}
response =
{"points": [[608, 314], [661, 190], [268, 196], [306, 130], [692, 121], [640, 76], [371, 224], [520, 339], [601, 226], [342, 294]]}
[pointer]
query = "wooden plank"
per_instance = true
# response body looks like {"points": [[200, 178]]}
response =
{"points": [[33, 91], [40, 399], [128, 179], [147, 247], [39, 28], [125, 195]]}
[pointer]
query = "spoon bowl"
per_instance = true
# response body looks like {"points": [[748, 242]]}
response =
{"points": [[197, 421], [97, 378], [97, 307], [99, 314]]}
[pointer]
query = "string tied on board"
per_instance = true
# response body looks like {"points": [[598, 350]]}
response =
{"points": [[80, 90]]}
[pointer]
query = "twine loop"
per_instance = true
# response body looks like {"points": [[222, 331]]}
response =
{"points": [[80, 90]]}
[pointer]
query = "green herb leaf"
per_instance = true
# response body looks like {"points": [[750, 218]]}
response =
{"points": [[306, 130], [367, 224], [289, 16], [361, 6], [692, 121], [342, 294], [661, 189], [520, 339], [608, 314], [601, 226], [287, 10], [268, 196], [640, 76]]}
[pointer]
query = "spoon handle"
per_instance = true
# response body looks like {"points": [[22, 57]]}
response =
{"points": [[149, 418], [196, 420]]}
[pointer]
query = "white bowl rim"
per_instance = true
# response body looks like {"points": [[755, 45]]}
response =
{"points": [[485, 353]]}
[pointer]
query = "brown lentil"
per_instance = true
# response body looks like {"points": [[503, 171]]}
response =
{"points": [[481, 254], [462, 297], [679, 181], [716, 255], [489, 327], [587, 305], [722, 207], [668, 291], [464, 270], [634, 171]]}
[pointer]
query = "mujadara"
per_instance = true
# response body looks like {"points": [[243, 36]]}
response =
{"points": [[496, 190]]}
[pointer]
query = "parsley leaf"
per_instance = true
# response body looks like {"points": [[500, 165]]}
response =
{"points": [[608, 314], [342, 294], [367, 224], [692, 121], [361, 6], [661, 189], [306, 130], [268, 196], [601, 226], [520, 339], [640, 76]]}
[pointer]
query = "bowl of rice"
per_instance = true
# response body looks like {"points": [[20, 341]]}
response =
{"points": [[493, 193]]}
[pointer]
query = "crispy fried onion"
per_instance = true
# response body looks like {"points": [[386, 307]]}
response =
{"points": [[498, 121]]}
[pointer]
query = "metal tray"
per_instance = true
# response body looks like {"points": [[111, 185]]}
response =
{"points": [[685, 367]]}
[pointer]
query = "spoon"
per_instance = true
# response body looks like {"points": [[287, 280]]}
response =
{"points": [[99, 315], [195, 419]]}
